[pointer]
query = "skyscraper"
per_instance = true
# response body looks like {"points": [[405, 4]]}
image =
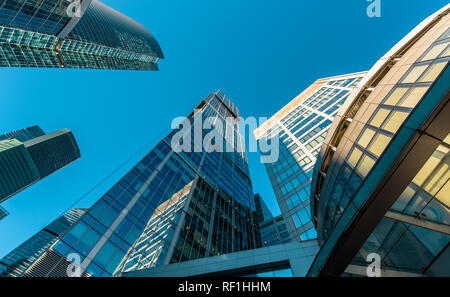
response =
{"points": [[73, 34], [16, 262], [173, 206], [25, 163], [381, 186], [301, 127]]}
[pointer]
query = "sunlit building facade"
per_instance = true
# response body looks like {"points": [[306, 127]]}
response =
{"points": [[173, 206], [301, 127], [62, 34], [36, 156], [381, 184], [17, 261]]}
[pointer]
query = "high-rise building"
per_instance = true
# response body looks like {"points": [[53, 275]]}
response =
{"points": [[16, 262], [174, 205], [381, 187], [73, 34], [301, 127], [273, 229], [3, 213], [23, 163]]}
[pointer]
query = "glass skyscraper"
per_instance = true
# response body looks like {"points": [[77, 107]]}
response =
{"points": [[173, 206], [381, 184], [16, 262], [62, 34], [301, 127], [34, 157]]}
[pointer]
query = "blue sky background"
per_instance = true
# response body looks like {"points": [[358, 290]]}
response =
{"points": [[260, 53]]}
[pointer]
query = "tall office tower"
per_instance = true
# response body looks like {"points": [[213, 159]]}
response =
{"points": [[73, 34], [273, 230], [301, 127], [3, 213], [16, 262], [25, 163], [381, 184], [174, 205]]}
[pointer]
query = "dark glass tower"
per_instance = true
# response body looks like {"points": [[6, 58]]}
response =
{"points": [[59, 34], [172, 206], [16, 262], [23, 163]]}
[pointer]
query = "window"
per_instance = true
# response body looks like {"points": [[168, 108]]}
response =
{"points": [[395, 97], [414, 97], [395, 121], [380, 116], [354, 157], [365, 166], [414, 74], [433, 72], [434, 52], [366, 137], [379, 144]]}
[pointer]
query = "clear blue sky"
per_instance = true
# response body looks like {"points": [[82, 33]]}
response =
{"points": [[260, 53]]}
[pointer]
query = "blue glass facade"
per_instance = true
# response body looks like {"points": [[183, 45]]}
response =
{"points": [[41, 34], [17, 261], [301, 127], [173, 206]]}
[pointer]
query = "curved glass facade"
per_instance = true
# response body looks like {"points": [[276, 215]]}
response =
{"points": [[40, 34], [368, 147], [42, 16]]}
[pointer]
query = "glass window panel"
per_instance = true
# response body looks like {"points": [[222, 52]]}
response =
{"points": [[414, 97], [433, 72], [395, 97], [366, 165], [427, 169], [404, 199], [414, 74], [105, 254], [379, 144], [366, 137], [444, 194], [434, 52], [354, 157], [441, 174], [395, 121], [380, 116], [446, 53], [437, 212]]}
